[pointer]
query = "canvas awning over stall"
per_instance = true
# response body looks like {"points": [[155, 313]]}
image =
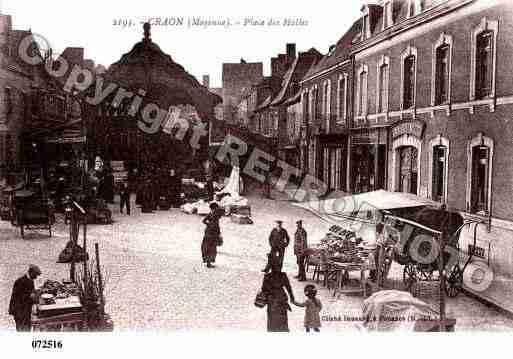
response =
{"points": [[347, 206]]}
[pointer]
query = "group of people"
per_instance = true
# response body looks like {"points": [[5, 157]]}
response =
{"points": [[276, 285], [154, 184]]}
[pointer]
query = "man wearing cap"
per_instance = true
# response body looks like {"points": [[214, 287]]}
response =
{"points": [[300, 247], [22, 299], [278, 240]]}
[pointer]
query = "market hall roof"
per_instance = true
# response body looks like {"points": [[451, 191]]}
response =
{"points": [[166, 83]]}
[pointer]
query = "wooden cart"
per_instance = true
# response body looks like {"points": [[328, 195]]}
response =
{"points": [[33, 212], [71, 322]]}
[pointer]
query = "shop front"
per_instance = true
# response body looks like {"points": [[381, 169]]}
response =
{"points": [[368, 159], [333, 150], [406, 156]]}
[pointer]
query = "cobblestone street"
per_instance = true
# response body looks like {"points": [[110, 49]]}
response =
{"points": [[155, 279]]}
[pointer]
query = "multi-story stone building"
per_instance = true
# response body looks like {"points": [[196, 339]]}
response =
{"points": [[17, 79], [266, 115], [288, 106], [327, 112], [432, 113]]}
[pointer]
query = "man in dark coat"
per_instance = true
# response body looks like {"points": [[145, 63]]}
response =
{"points": [[124, 196], [23, 298], [278, 240], [300, 247]]}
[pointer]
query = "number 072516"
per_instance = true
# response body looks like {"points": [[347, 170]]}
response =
{"points": [[46, 344]]}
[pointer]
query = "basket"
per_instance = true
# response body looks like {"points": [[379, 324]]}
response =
{"points": [[428, 292]]}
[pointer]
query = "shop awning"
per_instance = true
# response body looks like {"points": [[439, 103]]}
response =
{"points": [[376, 200]]}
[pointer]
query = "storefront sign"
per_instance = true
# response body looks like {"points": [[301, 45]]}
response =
{"points": [[369, 137], [413, 128]]}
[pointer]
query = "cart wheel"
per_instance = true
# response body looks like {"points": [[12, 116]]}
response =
{"points": [[409, 276], [453, 282]]}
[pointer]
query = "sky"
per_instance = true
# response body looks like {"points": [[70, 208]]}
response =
{"points": [[96, 25]]}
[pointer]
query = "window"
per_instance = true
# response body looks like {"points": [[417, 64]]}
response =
{"points": [[365, 26], [484, 64], [383, 70], [442, 75], [438, 157], [479, 175], [480, 168], [326, 104], [8, 100], [387, 14], [313, 106], [342, 98], [483, 60], [366, 31], [441, 71], [362, 90], [382, 85], [409, 82], [411, 8], [438, 186], [415, 7], [306, 105]]}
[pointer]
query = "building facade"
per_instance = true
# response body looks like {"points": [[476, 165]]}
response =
{"points": [[326, 101], [235, 78], [433, 100]]}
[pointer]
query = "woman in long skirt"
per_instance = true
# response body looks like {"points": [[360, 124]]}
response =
{"points": [[212, 236], [276, 286]]}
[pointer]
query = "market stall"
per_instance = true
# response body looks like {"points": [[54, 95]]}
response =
{"points": [[351, 238], [339, 254], [77, 303]]}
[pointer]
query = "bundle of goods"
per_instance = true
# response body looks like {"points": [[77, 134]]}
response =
{"points": [[59, 290], [72, 249], [340, 245]]}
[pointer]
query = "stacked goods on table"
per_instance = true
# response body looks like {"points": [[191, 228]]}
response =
{"points": [[341, 245], [58, 298]]}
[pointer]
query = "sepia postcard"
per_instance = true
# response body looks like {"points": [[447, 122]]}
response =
{"points": [[242, 168]]}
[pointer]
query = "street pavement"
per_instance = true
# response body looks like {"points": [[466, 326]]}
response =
{"points": [[155, 278]]}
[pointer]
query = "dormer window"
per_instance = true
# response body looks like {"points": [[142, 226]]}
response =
{"points": [[366, 31], [415, 7], [387, 14], [365, 26]]}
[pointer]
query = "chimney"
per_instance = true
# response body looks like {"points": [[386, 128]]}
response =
{"points": [[206, 81], [274, 66], [291, 51]]}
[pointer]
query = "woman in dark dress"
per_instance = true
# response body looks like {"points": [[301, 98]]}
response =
{"points": [[212, 235], [276, 286]]}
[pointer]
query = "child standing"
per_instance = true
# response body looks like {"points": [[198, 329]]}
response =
{"points": [[313, 307]]}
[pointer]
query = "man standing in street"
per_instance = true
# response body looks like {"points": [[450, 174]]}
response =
{"points": [[124, 196], [22, 299], [278, 240], [300, 247]]}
